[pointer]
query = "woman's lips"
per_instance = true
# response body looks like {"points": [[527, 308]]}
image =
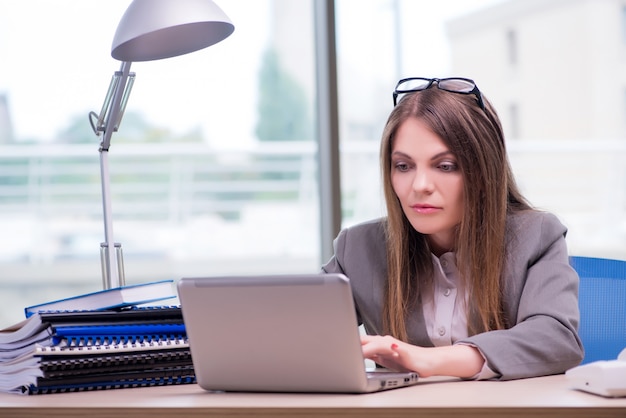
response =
{"points": [[425, 208]]}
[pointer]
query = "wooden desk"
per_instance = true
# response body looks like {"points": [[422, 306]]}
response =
{"points": [[539, 397]]}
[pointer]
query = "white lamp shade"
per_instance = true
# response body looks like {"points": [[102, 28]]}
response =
{"points": [[156, 29]]}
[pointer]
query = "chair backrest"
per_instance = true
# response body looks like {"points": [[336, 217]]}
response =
{"points": [[602, 302]]}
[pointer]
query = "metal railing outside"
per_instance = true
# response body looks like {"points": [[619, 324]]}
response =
{"points": [[181, 209]]}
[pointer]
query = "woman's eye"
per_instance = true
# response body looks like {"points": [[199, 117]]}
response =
{"points": [[401, 166], [448, 166]]}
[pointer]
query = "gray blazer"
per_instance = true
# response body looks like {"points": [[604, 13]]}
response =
{"points": [[540, 295]]}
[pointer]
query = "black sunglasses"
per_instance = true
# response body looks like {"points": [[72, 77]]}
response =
{"points": [[453, 85]]}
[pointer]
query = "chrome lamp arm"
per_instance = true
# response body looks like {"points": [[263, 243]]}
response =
{"points": [[107, 122]]}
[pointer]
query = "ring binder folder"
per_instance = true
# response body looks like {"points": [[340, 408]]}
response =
{"points": [[71, 351]]}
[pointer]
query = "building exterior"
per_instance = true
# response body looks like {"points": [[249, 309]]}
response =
{"points": [[6, 127], [555, 71], [553, 68]]}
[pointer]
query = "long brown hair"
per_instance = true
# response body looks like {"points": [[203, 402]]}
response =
{"points": [[477, 141]]}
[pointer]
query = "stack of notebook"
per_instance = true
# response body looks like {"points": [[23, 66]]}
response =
{"points": [[115, 346]]}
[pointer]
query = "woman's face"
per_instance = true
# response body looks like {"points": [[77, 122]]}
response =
{"points": [[427, 180]]}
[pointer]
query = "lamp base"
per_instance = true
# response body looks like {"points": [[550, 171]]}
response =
{"points": [[104, 258]]}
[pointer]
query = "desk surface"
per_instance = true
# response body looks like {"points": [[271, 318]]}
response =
{"points": [[538, 397]]}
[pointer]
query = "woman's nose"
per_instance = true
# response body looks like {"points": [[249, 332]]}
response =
{"points": [[422, 181]]}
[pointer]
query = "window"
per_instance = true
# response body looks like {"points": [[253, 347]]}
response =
{"points": [[624, 24], [213, 170], [565, 144], [514, 127], [511, 38]]}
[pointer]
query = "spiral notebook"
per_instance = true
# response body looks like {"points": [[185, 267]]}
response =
{"points": [[92, 367], [293, 333], [68, 351]]}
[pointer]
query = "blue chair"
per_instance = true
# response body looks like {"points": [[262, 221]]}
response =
{"points": [[602, 302]]}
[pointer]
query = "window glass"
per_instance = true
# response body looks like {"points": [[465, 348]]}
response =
{"points": [[564, 124], [376, 46], [212, 171], [214, 167]]}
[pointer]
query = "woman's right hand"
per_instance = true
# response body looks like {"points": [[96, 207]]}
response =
{"points": [[456, 360]]}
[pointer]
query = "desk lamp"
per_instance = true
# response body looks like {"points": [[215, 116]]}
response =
{"points": [[149, 30]]}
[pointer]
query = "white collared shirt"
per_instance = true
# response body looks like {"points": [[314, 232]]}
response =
{"points": [[445, 308]]}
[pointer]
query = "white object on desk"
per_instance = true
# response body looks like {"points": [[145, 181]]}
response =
{"points": [[604, 377]]}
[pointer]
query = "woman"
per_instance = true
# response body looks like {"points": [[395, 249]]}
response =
{"points": [[463, 277]]}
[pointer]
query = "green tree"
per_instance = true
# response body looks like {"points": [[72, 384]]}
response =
{"points": [[283, 113], [134, 128]]}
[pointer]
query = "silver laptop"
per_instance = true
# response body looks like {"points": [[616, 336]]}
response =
{"points": [[280, 333]]}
